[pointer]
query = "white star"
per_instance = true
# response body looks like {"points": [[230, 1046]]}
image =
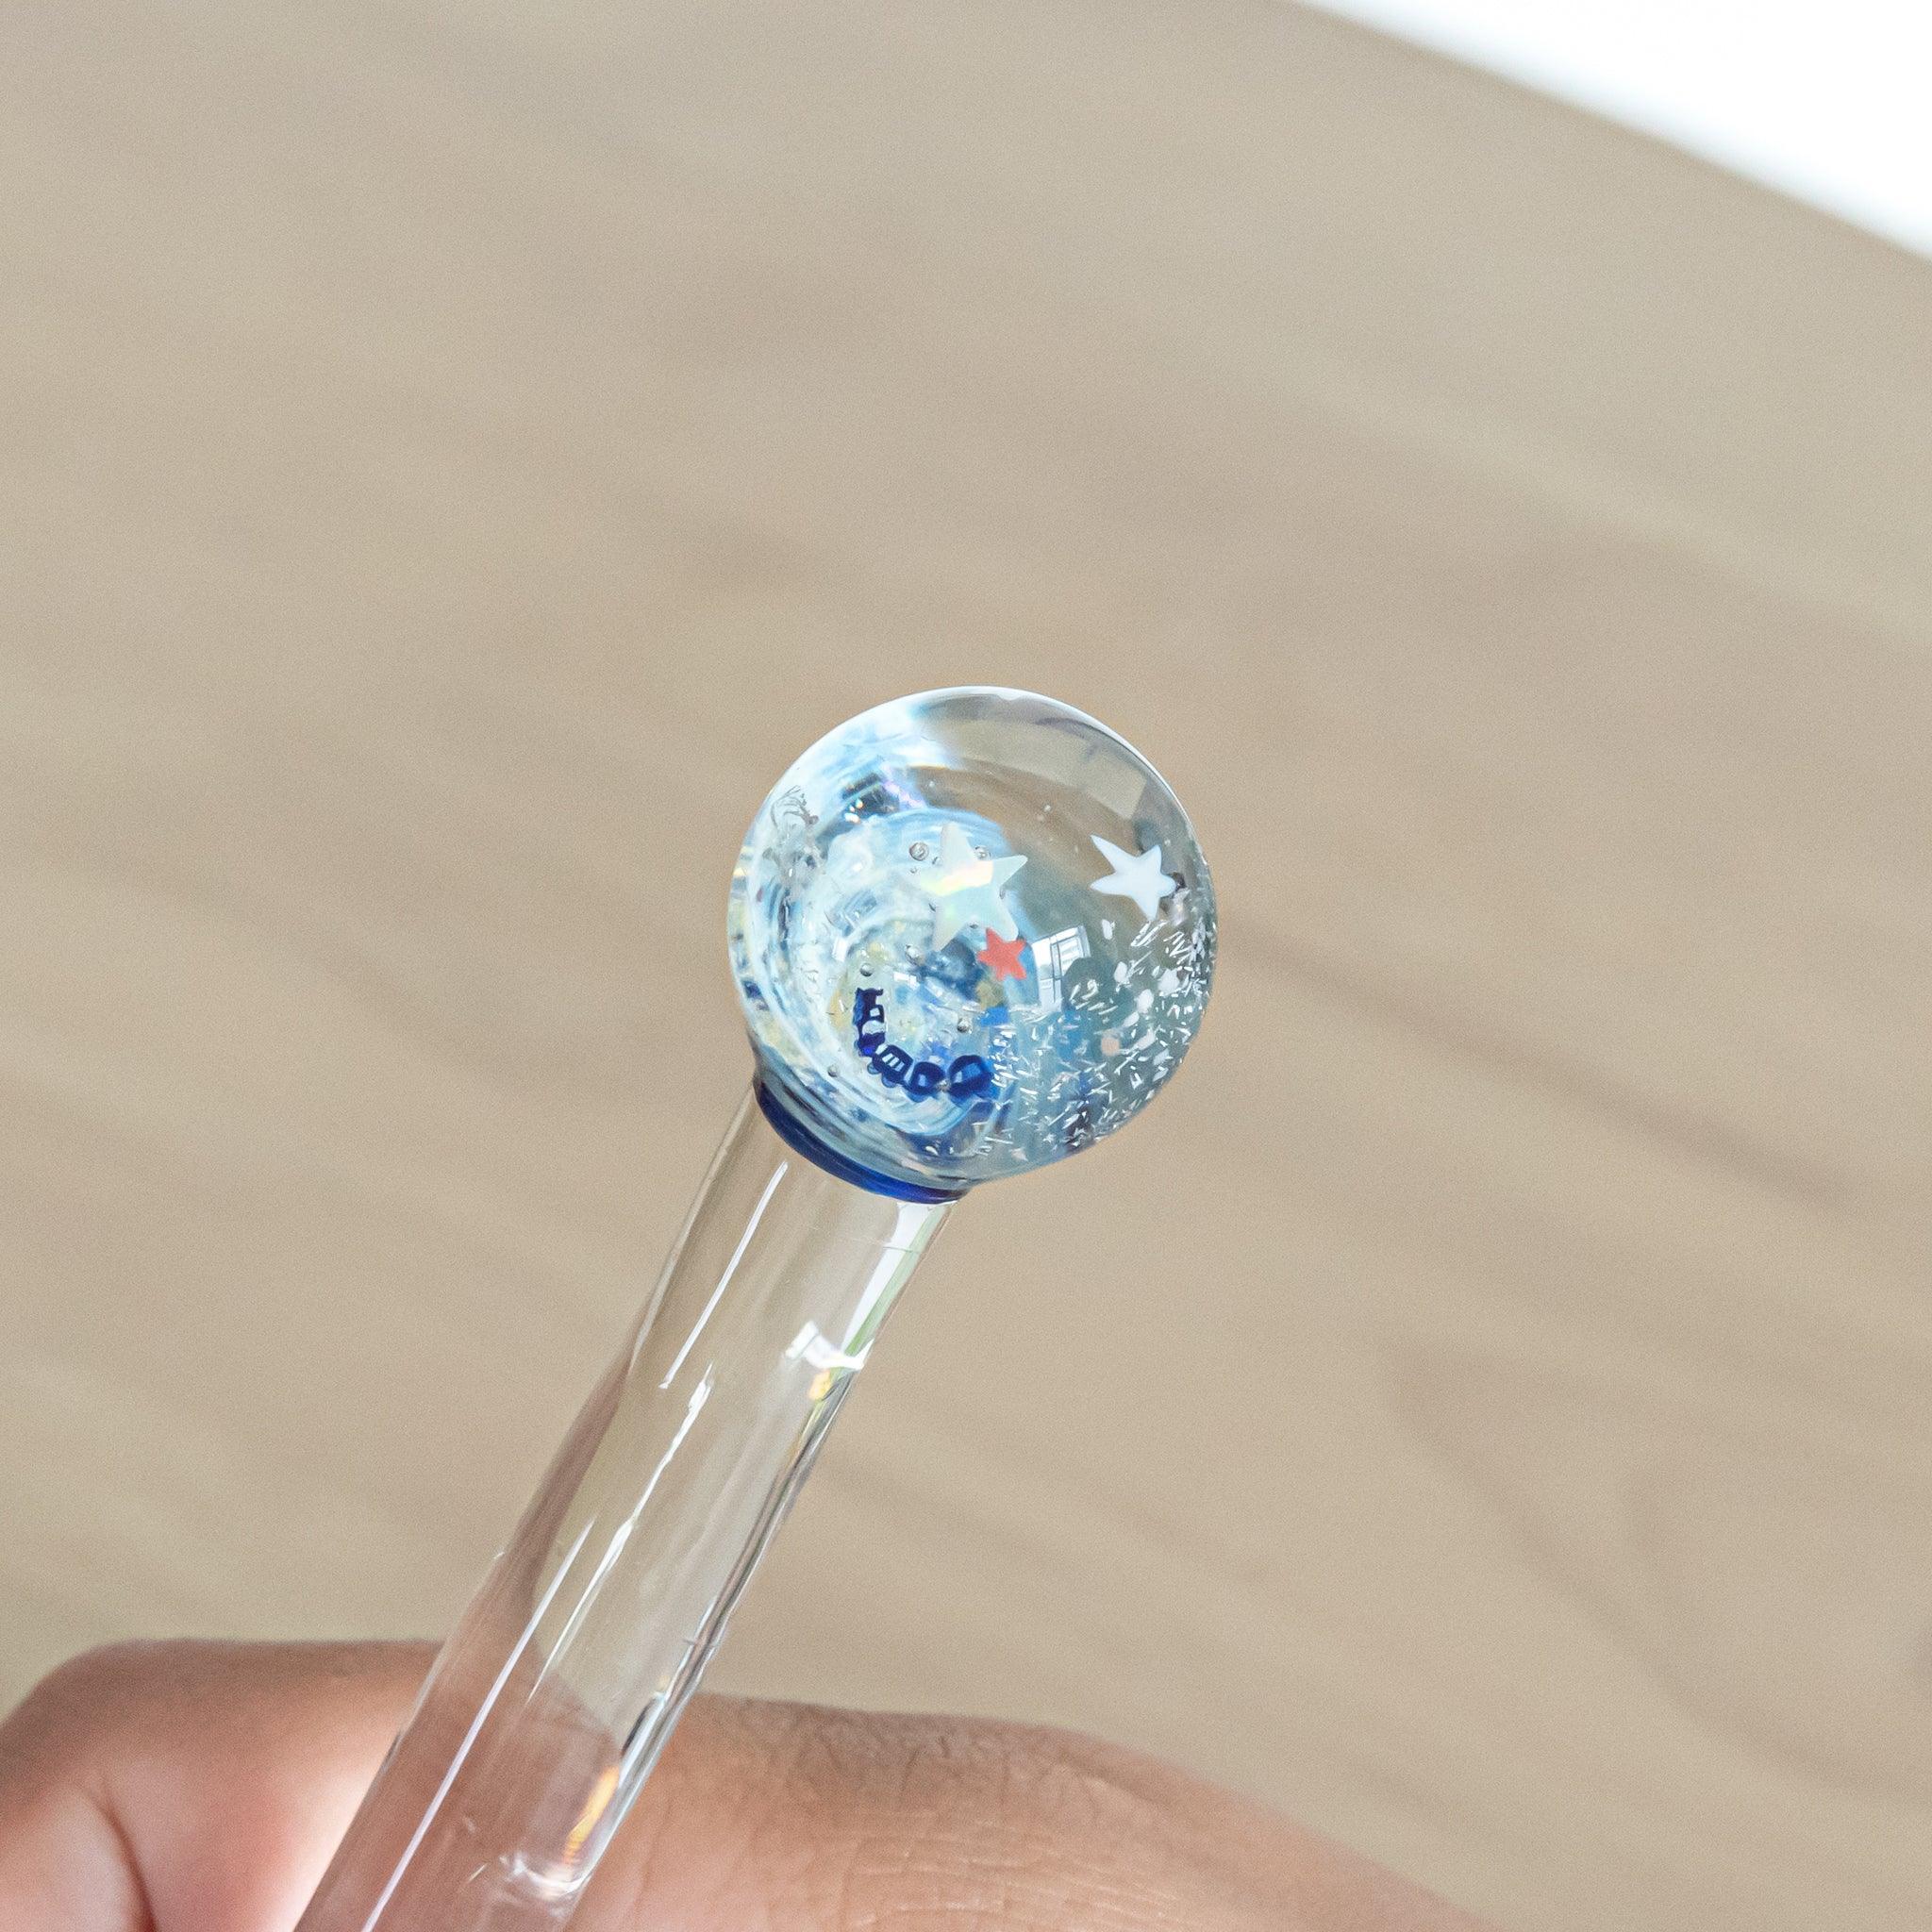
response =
{"points": [[965, 890], [1135, 876]]}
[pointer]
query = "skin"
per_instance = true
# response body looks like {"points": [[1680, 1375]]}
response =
{"points": [[201, 1788]]}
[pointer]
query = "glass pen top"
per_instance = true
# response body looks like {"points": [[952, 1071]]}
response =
{"points": [[972, 932]]}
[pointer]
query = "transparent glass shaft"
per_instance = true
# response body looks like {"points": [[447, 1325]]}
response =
{"points": [[565, 1676]]}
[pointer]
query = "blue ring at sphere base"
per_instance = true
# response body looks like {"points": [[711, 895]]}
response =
{"points": [[801, 1139]]}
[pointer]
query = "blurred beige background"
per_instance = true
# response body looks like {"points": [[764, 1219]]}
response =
{"points": [[455, 456]]}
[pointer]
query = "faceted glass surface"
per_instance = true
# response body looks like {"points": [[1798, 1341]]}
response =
{"points": [[973, 932]]}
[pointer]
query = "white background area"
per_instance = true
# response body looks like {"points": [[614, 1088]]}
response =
{"points": [[1829, 100]]}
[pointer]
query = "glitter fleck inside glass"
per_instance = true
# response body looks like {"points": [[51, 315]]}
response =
{"points": [[973, 932]]}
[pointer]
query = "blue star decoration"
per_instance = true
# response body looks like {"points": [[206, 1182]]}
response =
{"points": [[1136, 876], [965, 890]]}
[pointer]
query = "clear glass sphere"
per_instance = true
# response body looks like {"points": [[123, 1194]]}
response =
{"points": [[973, 932]]}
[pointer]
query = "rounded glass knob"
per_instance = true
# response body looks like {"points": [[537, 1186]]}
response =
{"points": [[973, 932]]}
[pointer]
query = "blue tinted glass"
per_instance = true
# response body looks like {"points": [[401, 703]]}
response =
{"points": [[972, 932]]}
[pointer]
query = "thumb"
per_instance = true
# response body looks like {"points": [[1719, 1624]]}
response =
{"points": [[178, 1786]]}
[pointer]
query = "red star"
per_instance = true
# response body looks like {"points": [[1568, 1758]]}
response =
{"points": [[1006, 958]]}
